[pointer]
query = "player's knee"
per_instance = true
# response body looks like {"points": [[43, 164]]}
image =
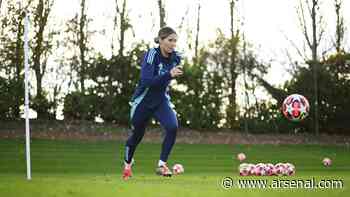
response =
{"points": [[172, 128], [138, 125]]}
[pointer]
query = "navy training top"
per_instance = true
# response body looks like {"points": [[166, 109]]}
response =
{"points": [[155, 77]]}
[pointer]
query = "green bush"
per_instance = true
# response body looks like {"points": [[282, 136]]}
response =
{"points": [[78, 106]]}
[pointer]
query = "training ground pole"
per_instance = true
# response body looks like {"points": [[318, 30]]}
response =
{"points": [[26, 95]]}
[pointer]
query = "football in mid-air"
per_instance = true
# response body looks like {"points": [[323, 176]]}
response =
{"points": [[295, 107]]}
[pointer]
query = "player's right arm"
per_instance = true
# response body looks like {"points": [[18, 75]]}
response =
{"points": [[148, 78]]}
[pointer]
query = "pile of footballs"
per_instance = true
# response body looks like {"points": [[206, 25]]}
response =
{"points": [[266, 169], [269, 169]]}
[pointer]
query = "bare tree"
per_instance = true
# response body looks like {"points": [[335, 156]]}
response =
{"points": [[314, 37], [340, 30], [225, 58], [41, 45], [313, 40], [82, 44], [19, 47], [77, 36], [161, 6], [124, 25], [115, 25], [234, 40], [247, 111], [197, 35]]}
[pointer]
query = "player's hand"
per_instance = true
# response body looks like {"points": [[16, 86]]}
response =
{"points": [[176, 71]]}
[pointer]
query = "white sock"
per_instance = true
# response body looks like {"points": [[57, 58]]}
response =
{"points": [[128, 165], [161, 163]]}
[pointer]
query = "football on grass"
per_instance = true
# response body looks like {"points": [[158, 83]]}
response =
{"points": [[327, 161], [241, 157], [178, 169]]}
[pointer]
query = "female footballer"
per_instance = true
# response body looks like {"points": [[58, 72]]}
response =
{"points": [[151, 99]]}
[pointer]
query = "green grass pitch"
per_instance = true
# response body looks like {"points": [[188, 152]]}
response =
{"points": [[85, 168]]}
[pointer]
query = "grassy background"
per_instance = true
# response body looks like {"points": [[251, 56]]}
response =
{"points": [[88, 168]]}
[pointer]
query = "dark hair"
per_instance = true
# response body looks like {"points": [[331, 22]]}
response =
{"points": [[163, 33]]}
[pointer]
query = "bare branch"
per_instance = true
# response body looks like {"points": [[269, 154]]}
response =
{"points": [[302, 22], [340, 29], [115, 25], [294, 45], [309, 8], [197, 34], [293, 63], [320, 36], [183, 18]]}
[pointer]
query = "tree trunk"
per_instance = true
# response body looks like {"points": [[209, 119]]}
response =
{"points": [[82, 45], [123, 27], [115, 24], [313, 44], [339, 36], [162, 22], [41, 16], [315, 64], [19, 63], [247, 103], [233, 74], [197, 35], [40, 49]]}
